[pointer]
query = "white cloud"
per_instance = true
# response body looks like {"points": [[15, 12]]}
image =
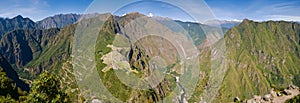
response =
{"points": [[150, 15], [236, 20], [283, 17], [279, 8]]}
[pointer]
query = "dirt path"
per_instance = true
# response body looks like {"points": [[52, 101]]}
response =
{"points": [[282, 99], [273, 98]]}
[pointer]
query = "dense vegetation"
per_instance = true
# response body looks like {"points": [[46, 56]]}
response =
{"points": [[45, 89], [110, 79], [294, 100], [260, 56], [8, 89]]}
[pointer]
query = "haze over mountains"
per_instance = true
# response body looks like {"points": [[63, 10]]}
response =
{"points": [[58, 21], [223, 23], [260, 55]]}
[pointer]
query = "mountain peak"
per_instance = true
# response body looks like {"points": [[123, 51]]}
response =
{"points": [[58, 21], [18, 17], [247, 21]]}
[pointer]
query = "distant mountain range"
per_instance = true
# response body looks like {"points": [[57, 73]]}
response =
{"points": [[260, 55], [58, 21], [15, 23], [23, 40], [18, 22], [223, 23]]}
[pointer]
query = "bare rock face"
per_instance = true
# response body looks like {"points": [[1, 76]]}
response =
{"points": [[20, 46], [58, 21], [18, 22]]}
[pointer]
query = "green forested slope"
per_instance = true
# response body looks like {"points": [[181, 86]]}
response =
{"points": [[261, 56]]}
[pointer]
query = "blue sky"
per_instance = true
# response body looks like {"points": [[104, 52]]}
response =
{"points": [[256, 9], [222, 9], [39, 9]]}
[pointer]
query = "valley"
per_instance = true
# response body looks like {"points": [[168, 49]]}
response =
{"points": [[259, 57]]}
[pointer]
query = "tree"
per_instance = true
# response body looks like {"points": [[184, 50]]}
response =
{"points": [[8, 89], [295, 99], [46, 89]]}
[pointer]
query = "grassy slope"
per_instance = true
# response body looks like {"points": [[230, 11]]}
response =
{"points": [[55, 53], [260, 56], [110, 80]]}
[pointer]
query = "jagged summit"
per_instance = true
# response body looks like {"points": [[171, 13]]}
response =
{"points": [[58, 21], [18, 22], [21, 18], [18, 16], [246, 21]]}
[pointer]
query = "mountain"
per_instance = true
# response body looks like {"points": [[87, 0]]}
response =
{"points": [[223, 23], [24, 40], [21, 23], [12, 74], [58, 21], [55, 53], [261, 56], [118, 35], [18, 22], [22, 46], [137, 58], [35, 50], [56, 56]]}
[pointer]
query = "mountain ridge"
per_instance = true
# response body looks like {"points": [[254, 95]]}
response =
{"points": [[15, 23], [58, 21], [21, 46], [223, 23], [261, 55]]}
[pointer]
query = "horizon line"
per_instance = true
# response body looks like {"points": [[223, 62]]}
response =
{"points": [[214, 19]]}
